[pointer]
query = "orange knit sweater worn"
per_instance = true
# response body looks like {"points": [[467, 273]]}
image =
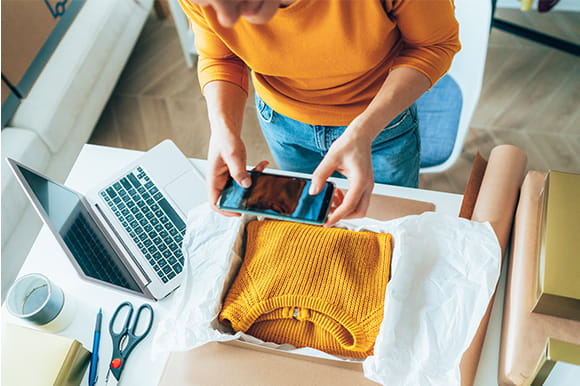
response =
{"points": [[311, 287], [322, 61]]}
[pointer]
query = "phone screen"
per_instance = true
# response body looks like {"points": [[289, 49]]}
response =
{"points": [[278, 196]]}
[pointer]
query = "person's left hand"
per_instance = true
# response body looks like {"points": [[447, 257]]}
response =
{"points": [[350, 156]]}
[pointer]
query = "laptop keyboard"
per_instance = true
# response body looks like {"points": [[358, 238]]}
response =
{"points": [[96, 261], [150, 220]]}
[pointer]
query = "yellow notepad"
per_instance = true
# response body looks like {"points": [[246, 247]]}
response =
{"points": [[32, 357]]}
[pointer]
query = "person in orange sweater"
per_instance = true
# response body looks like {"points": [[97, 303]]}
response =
{"points": [[335, 82]]}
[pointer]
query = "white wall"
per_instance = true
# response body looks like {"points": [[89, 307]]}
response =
{"points": [[563, 5]]}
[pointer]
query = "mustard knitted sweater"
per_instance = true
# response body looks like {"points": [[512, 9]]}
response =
{"points": [[311, 287]]}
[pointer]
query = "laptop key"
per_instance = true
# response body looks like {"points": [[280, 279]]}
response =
{"points": [[125, 182], [171, 275], [134, 181]]}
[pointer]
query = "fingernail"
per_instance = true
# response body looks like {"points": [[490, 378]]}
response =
{"points": [[311, 190], [246, 182]]}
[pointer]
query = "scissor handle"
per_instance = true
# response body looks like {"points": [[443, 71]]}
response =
{"points": [[131, 330], [120, 354], [114, 319]]}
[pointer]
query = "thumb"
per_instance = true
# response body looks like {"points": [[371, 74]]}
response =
{"points": [[320, 175], [237, 169]]}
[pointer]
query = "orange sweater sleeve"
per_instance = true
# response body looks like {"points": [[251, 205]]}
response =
{"points": [[430, 35], [216, 61]]}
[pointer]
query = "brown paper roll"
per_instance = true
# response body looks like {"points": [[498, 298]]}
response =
{"points": [[524, 333], [498, 195], [496, 203], [473, 186]]}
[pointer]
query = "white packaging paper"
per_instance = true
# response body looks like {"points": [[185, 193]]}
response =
{"points": [[444, 271]]}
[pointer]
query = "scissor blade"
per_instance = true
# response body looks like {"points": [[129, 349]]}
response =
{"points": [[110, 380]]}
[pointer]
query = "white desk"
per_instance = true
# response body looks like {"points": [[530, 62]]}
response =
{"points": [[145, 367]]}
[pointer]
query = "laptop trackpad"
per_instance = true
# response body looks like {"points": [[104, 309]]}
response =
{"points": [[187, 191]]}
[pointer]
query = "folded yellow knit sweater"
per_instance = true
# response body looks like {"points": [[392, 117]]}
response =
{"points": [[311, 287]]}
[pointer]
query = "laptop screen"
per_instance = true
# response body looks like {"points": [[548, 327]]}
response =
{"points": [[71, 219]]}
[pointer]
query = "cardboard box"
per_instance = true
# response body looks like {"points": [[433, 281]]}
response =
{"points": [[558, 286], [31, 30], [556, 351], [252, 364], [10, 102]]}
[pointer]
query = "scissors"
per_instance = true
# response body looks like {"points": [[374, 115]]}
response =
{"points": [[124, 341]]}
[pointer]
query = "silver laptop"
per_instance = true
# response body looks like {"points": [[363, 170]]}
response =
{"points": [[127, 232]]}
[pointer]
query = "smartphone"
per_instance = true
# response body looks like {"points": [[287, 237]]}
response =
{"points": [[276, 196]]}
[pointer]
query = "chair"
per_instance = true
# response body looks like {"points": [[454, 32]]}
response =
{"points": [[461, 87]]}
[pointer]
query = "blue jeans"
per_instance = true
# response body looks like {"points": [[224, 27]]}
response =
{"points": [[439, 110], [300, 147]]}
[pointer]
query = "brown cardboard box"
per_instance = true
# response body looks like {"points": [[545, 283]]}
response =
{"points": [[250, 364], [231, 364], [558, 286], [31, 30], [10, 102]]}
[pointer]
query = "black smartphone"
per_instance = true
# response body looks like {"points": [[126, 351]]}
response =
{"points": [[276, 196]]}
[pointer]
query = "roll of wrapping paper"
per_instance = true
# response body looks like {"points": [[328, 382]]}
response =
{"points": [[495, 203], [524, 333]]}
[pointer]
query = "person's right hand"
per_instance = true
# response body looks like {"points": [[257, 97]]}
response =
{"points": [[227, 156]]}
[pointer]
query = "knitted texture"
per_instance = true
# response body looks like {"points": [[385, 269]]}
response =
{"points": [[311, 287]]}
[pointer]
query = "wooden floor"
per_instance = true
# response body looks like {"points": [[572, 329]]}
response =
{"points": [[530, 98]]}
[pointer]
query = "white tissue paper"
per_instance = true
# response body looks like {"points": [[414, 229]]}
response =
{"points": [[444, 272]]}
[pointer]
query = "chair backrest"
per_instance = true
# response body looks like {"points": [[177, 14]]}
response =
{"points": [[467, 69]]}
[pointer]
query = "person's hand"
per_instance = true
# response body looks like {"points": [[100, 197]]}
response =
{"points": [[352, 158], [227, 156], [229, 11]]}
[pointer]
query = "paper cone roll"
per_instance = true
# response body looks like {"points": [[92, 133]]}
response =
{"points": [[498, 195], [496, 203]]}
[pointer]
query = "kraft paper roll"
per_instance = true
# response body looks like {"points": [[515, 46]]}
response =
{"points": [[473, 186], [524, 333], [496, 203]]}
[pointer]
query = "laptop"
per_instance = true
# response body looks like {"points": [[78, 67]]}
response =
{"points": [[128, 232]]}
